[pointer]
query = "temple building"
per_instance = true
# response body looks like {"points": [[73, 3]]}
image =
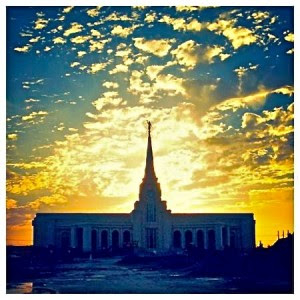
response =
{"points": [[150, 225]]}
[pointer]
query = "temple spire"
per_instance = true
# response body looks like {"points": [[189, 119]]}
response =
{"points": [[149, 169]]}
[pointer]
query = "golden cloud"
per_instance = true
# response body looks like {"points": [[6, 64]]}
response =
{"points": [[94, 68], [24, 49], [40, 23], [80, 39], [12, 136], [238, 36], [93, 12], [109, 98], [159, 47], [59, 40], [98, 45], [110, 85], [289, 37], [67, 9], [123, 31], [189, 54], [75, 27], [34, 115], [120, 68], [182, 24]]}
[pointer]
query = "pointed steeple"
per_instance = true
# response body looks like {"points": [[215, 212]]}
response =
{"points": [[149, 169], [149, 184]]}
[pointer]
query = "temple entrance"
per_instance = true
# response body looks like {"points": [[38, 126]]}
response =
{"points": [[151, 236]]}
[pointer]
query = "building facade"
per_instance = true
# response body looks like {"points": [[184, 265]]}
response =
{"points": [[150, 225]]}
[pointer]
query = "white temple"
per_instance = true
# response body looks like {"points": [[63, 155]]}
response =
{"points": [[150, 225]]}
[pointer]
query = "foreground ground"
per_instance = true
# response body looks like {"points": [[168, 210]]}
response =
{"points": [[107, 276]]}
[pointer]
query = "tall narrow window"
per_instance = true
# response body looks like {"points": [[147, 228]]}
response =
{"points": [[151, 237], [151, 212]]}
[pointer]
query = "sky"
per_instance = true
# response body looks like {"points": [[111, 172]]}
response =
{"points": [[217, 84]]}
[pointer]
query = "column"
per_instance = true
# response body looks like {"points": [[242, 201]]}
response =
{"points": [[218, 231], [86, 239], [182, 240], [73, 237], [109, 239], [205, 238]]}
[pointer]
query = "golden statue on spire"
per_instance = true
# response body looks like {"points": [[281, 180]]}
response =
{"points": [[149, 126]]}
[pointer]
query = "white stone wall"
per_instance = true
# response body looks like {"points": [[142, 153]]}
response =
{"points": [[48, 228]]}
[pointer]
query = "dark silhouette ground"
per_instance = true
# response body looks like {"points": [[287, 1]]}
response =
{"points": [[264, 270]]}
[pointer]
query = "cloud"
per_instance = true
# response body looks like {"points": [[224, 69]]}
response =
{"points": [[24, 49], [11, 203], [80, 39], [150, 17], [253, 100], [158, 47], [153, 70], [81, 53], [189, 54], [59, 40], [48, 200], [75, 27], [181, 24], [95, 33], [118, 17], [74, 64], [108, 98], [32, 116], [238, 36], [167, 84], [123, 31], [66, 10], [110, 85], [289, 37], [12, 136], [40, 23], [120, 68], [93, 12], [34, 40], [98, 45], [94, 68]]}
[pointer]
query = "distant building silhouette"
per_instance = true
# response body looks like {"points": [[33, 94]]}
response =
{"points": [[150, 226]]}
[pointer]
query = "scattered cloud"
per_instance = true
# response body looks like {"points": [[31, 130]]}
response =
{"points": [[75, 27], [158, 47]]}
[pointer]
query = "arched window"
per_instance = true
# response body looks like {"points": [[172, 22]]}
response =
{"points": [[94, 240], [65, 240], [115, 239], [200, 239], [104, 239], [188, 238], [211, 239], [126, 237], [177, 239]]}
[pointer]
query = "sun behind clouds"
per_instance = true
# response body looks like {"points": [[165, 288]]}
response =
{"points": [[216, 83]]}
